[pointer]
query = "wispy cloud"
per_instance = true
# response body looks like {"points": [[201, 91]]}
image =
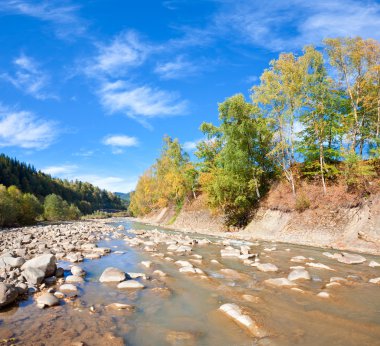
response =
{"points": [[112, 69], [84, 153], [26, 130], [29, 78], [191, 145], [291, 24], [126, 50], [140, 102], [63, 16], [110, 183], [121, 141], [62, 170], [178, 68]]}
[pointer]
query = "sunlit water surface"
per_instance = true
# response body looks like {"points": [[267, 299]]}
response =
{"points": [[182, 309]]}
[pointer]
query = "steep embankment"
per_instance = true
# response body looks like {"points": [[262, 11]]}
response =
{"points": [[346, 228]]}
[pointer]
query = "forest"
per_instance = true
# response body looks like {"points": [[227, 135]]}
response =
{"points": [[313, 117], [27, 194]]}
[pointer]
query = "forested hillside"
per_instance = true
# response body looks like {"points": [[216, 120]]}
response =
{"points": [[313, 119], [24, 188]]}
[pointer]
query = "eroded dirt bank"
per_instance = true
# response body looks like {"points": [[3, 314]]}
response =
{"points": [[354, 228]]}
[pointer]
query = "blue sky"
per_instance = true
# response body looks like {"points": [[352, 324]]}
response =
{"points": [[90, 87]]}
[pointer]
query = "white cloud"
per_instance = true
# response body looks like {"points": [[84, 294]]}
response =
{"points": [[111, 183], [191, 145], [121, 141], [24, 129], [283, 25], [84, 153], [125, 51], [62, 170], [29, 78], [140, 102], [176, 69], [63, 17]]}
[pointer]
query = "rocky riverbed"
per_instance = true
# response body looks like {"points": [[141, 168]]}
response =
{"points": [[90, 283]]}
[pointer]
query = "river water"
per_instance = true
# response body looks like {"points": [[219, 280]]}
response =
{"points": [[182, 309]]}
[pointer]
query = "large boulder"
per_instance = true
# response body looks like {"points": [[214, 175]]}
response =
{"points": [[46, 263], [111, 274], [33, 276], [8, 294]]}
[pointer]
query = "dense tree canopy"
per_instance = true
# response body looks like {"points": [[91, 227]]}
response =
{"points": [[315, 115]]}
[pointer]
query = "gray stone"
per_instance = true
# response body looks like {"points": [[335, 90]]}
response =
{"points": [[112, 275], [267, 267], [8, 294], [33, 276], [351, 258], [130, 284], [46, 263], [280, 282], [74, 279], [77, 271], [47, 299], [299, 274]]}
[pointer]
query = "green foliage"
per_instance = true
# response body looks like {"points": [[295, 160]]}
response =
{"points": [[97, 215], [356, 171], [17, 208], [57, 209], [308, 117], [235, 166], [85, 196], [168, 182]]}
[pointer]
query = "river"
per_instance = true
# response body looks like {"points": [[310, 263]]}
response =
{"points": [[183, 309]]}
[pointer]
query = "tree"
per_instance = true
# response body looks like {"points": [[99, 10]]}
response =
{"points": [[235, 173], [279, 96], [320, 116], [55, 208]]}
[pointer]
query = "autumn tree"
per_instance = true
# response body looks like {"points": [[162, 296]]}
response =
{"points": [[235, 164]]}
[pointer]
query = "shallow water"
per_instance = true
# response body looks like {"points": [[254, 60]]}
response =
{"points": [[182, 309]]}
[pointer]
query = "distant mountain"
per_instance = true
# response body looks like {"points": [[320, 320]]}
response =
{"points": [[124, 196]]}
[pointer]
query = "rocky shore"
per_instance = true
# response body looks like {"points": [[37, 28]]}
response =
{"points": [[29, 255], [145, 274]]}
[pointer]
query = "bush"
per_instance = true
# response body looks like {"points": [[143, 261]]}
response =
{"points": [[302, 202]]}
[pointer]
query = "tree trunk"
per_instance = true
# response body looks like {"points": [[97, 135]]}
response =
{"points": [[321, 162]]}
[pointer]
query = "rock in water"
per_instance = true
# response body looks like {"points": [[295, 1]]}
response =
{"points": [[47, 299], [267, 267], [349, 258], [299, 274], [112, 275], [280, 282], [77, 271], [130, 284], [46, 263], [234, 311], [8, 294]]}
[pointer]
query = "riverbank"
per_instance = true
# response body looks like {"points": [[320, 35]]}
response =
{"points": [[345, 228], [127, 283]]}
